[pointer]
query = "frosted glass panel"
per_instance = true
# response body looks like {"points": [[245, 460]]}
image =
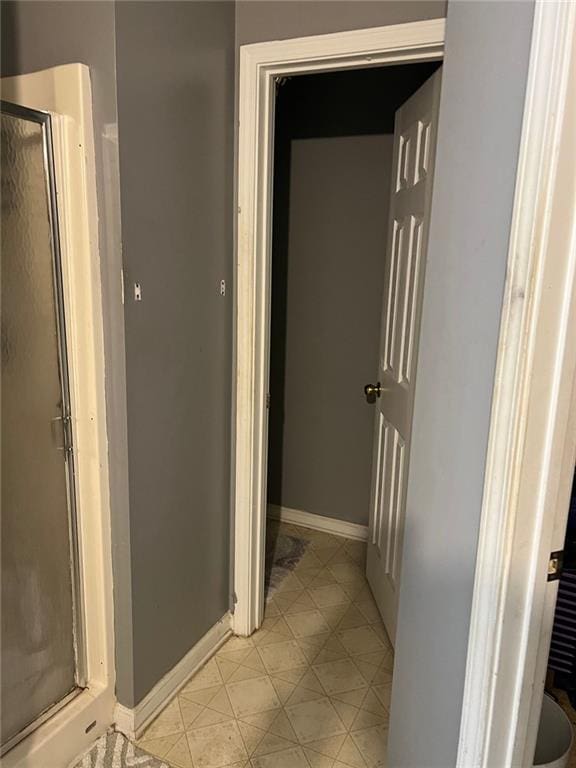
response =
{"points": [[38, 663]]}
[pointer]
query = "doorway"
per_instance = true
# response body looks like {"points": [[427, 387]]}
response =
{"points": [[420, 42], [337, 183], [309, 583], [324, 607], [347, 275]]}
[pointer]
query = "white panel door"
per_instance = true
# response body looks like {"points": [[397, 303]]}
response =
{"points": [[410, 194]]}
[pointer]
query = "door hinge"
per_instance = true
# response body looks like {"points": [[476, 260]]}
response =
{"points": [[555, 565], [268, 400]]}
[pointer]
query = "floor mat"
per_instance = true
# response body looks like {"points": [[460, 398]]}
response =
{"points": [[283, 553], [113, 750]]}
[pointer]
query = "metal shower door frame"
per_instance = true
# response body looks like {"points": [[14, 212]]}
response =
{"points": [[44, 120]]}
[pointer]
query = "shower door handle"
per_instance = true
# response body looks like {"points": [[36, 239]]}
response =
{"points": [[65, 433]]}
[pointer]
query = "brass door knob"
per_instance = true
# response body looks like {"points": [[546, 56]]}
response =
{"points": [[373, 390]]}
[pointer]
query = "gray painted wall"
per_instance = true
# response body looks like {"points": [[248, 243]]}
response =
{"points": [[175, 64], [257, 21], [483, 86], [321, 430], [176, 80], [38, 35]]}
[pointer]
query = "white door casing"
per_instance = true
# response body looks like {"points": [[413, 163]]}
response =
{"points": [[260, 65], [408, 224]]}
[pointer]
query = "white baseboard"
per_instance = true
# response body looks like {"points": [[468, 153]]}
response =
{"points": [[132, 722], [125, 720], [319, 522]]}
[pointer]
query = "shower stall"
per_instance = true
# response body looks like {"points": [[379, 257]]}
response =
{"points": [[43, 660]]}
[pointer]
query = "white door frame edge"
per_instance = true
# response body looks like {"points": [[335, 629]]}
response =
{"points": [[531, 447]]}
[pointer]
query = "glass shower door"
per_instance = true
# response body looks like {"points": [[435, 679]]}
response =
{"points": [[40, 656]]}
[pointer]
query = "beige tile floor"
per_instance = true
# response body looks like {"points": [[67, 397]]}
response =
{"points": [[310, 689]]}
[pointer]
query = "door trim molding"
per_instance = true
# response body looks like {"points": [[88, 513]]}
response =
{"points": [[318, 522], [260, 65], [65, 93], [527, 485]]}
